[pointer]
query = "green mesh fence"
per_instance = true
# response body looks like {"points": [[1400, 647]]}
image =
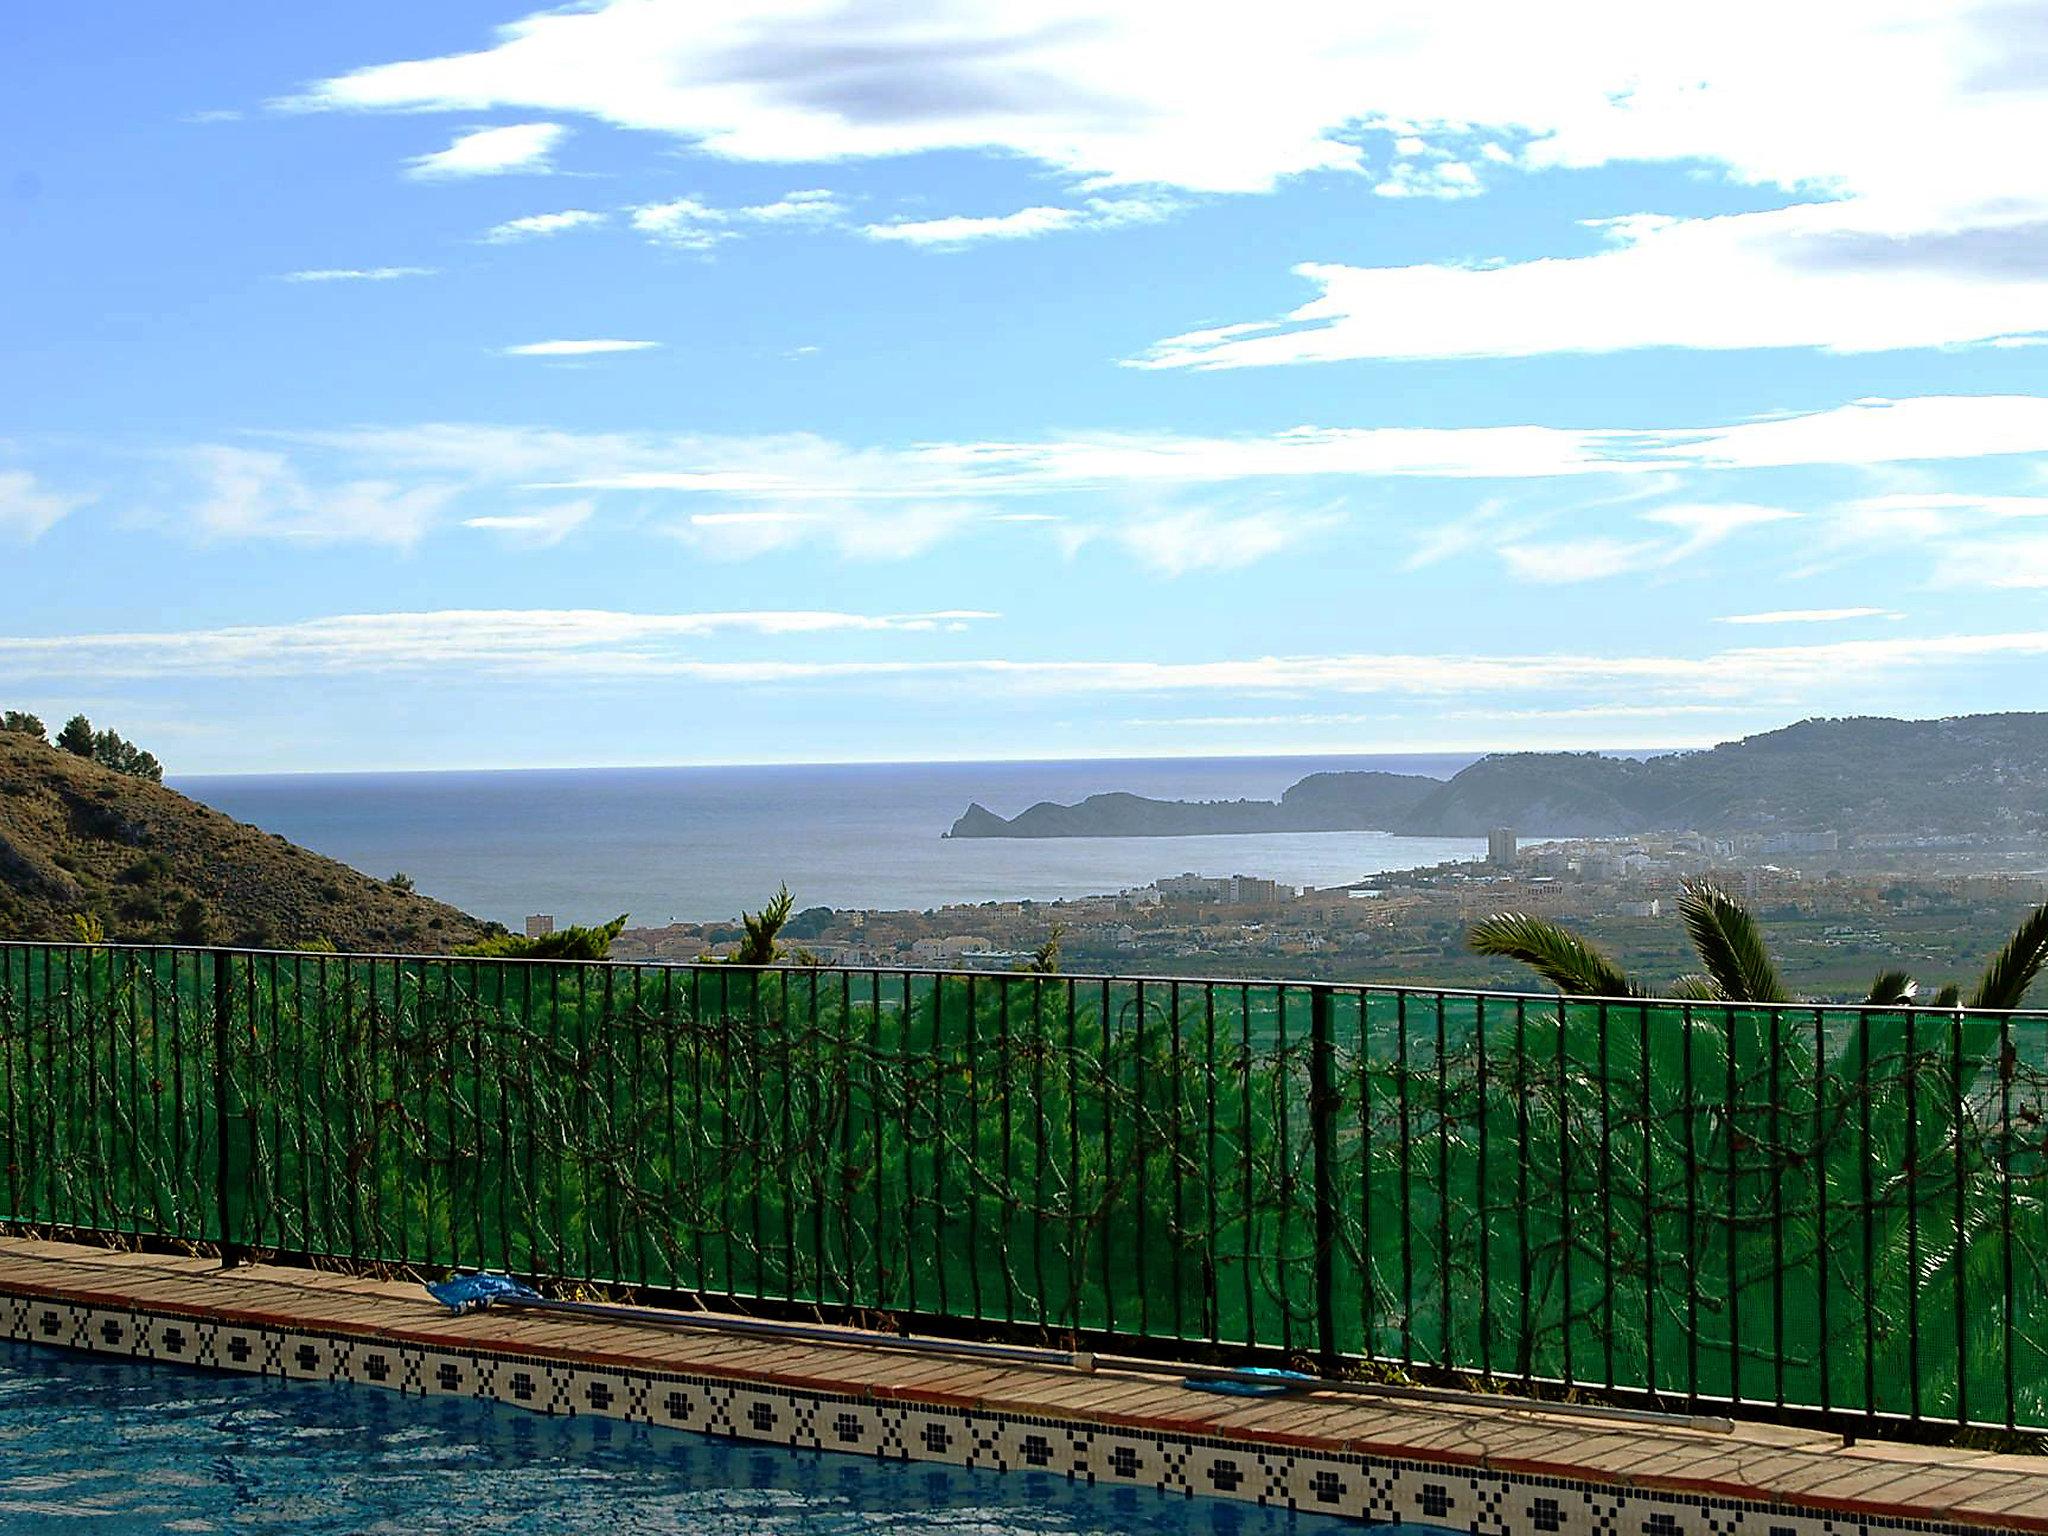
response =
{"points": [[1800, 1207]]}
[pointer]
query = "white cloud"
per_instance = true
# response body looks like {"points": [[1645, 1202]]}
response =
{"points": [[538, 225], [539, 528], [691, 224], [585, 348], [780, 491], [491, 152], [356, 274], [1025, 223], [28, 509], [586, 643], [1872, 98], [1809, 616], [1699, 527], [254, 493], [960, 230], [510, 640], [1175, 542], [1840, 276], [857, 532]]}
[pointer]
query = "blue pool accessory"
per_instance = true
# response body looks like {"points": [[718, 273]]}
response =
{"points": [[1271, 1382], [473, 1293]]}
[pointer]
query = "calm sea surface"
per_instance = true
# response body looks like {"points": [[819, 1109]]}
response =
{"points": [[694, 844]]}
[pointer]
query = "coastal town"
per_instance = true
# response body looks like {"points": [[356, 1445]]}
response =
{"points": [[1840, 908]]}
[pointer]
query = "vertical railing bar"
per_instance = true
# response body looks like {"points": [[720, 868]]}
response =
{"points": [[1652, 1282], [1283, 1109], [1210, 1257], [1525, 1341], [1008, 1186], [1689, 1114], [1180, 1218], [974, 1180], [1603, 1022], [788, 1086], [1823, 1255], [224, 1168], [1959, 1261], [1777, 1172], [2008, 1067], [1869, 1230], [1567, 1240], [1368, 1288], [1483, 1114], [1245, 1226], [1913, 1213], [1406, 1181], [1105, 1217], [1075, 1254], [1734, 1218], [911, 1256], [1141, 1153], [1445, 1359], [1322, 1098]]}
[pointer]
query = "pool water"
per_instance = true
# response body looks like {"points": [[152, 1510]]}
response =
{"points": [[108, 1446]]}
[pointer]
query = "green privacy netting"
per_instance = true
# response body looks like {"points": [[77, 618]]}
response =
{"points": [[1824, 1207]]}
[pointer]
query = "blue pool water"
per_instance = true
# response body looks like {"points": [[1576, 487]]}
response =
{"points": [[107, 1447]]}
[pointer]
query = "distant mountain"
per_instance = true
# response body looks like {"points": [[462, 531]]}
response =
{"points": [[1972, 773], [1322, 802], [147, 863]]}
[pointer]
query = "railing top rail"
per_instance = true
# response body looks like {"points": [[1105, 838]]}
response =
{"points": [[1285, 984]]}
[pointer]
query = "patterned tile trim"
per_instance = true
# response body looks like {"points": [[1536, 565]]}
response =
{"points": [[1367, 1488]]}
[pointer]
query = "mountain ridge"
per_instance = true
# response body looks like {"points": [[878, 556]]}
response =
{"points": [[1956, 775]]}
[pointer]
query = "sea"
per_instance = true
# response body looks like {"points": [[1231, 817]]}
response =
{"points": [[701, 844]]}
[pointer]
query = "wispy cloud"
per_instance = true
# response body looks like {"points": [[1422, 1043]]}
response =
{"points": [[491, 152], [1809, 616], [567, 644], [357, 274], [28, 508], [1696, 529], [257, 493], [536, 226], [590, 347], [691, 224], [1025, 224], [518, 641], [733, 494], [538, 527]]}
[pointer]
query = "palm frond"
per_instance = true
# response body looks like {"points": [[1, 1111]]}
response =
{"points": [[1730, 945], [1693, 987], [2013, 969], [1891, 989], [1570, 963], [759, 946], [1950, 996]]}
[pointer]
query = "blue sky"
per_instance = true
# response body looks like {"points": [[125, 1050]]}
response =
{"points": [[400, 386]]}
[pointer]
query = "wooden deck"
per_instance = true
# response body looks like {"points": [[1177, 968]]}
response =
{"points": [[1484, 1468]]}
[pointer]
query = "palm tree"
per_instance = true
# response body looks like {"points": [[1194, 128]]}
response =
{"points": [[1736, 964]]}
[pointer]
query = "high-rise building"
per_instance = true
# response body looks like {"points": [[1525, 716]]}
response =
{"points": [[1500, 846], [540, 923]]}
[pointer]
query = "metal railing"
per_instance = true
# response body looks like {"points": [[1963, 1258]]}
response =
{"points": [[1836, 1210]]}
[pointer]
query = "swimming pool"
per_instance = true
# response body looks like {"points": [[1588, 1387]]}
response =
{"points": [[113, 1447]]}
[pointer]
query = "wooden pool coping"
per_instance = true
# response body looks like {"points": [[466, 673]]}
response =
{"points": [[1797, 1479]]}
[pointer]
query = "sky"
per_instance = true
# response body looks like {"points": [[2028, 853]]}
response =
{"points": [[399, 386]]}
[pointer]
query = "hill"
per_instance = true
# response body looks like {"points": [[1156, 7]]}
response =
{"points": [[78, 838], [1322, 802], [1970, 774]]}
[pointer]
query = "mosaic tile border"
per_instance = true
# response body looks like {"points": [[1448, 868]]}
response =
{"points": [[1370, 1489]]}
